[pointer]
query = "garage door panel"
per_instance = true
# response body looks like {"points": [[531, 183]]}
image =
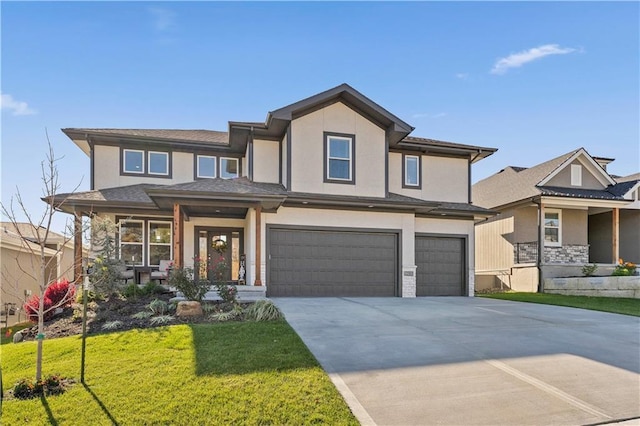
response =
{"points": [[332, 263], [440, 262]]}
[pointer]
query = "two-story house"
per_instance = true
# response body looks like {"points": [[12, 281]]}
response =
{"points": [[555, 217], [330, 196]]}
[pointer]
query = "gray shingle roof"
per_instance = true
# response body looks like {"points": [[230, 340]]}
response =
{"points": [[135, 194], [207, 136], [435, 142], [240, 185], [514, 184]]}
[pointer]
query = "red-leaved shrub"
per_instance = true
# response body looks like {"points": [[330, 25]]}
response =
{"points": [[58, 294]]}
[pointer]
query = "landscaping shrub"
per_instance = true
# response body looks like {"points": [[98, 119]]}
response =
{"points": [[152, 287], [59, 294], [624, 268], [161, 320], [32, 307], [159, 307], [263, 310], [51, 385], [589, 270], [183, 280]]}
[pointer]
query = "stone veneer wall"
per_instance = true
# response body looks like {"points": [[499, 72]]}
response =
{"points": [[567, 254], [595, 286]]}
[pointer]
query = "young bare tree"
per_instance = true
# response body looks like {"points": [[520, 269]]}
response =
{"points": [[35, 234]]}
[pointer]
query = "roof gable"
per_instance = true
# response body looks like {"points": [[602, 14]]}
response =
{"points": [[586, 160]]}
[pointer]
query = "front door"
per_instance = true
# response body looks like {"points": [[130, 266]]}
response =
{"points": [[217, 245]]}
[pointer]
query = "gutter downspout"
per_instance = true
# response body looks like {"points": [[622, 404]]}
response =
{"points": [[540, 247]]}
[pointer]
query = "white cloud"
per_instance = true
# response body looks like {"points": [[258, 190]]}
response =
{"points": [[516, 60], [163, 19], [462, 75], [16, 107]]}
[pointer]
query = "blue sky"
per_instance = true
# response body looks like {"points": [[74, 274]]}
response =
{"points": [[534, 80]]}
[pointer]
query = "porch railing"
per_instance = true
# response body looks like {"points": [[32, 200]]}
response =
{"points": [[526, 252]]}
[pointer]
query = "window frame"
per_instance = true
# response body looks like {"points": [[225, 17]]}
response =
{"points": [[148, 242], [142, 243], [215, 166], [166, 154], [237, 160], [405, 184], [145, 162], [352, 158], [124, 161], [559, 228]]}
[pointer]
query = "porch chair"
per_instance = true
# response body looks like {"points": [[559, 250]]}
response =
{"points": [[125, 273], [162, 273]]}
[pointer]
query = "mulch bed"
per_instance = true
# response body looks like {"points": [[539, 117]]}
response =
{"points": [[112, 309]]}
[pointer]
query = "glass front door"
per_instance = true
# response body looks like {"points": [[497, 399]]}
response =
{"points": [[219, 251]]}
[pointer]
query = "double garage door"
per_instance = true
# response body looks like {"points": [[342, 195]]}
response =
{"points": [[346, 263], [332, 263]]}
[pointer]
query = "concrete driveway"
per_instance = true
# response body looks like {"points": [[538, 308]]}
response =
{"points": [[473, 361]]}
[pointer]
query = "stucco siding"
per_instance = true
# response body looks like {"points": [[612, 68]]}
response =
{"points": [[526, 224], [574, 227], [443, 178], [563, 178], [107, 169], [266, 161], [307, 152]]}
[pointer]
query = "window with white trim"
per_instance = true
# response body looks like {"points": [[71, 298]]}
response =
{"points": [[206, 166], [553, 227], [133, 161], [160, 242], [131, 242], [339, 161], [412, 170], [228, 168], [158, 163], [576, 175]]}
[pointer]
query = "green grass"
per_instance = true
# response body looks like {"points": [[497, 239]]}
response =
{"points": [[615, 305], [227, 373]]}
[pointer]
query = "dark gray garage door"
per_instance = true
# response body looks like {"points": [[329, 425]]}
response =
{"points": [[331, 263], [440, 262]]}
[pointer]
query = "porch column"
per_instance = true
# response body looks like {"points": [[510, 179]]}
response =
{"points": [[178, 236], [258, 281], [615, 234], [77, 247]]}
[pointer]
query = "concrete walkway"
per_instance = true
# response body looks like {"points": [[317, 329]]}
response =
{"points": [[473, 361]]}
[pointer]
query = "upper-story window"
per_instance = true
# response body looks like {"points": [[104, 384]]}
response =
{"points": [[553, 228], [411, 168], [339, 158], [133, 161], [158, 163], [229, 168], [146, 163], [206, 166]]}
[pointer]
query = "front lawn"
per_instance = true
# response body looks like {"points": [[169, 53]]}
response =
{"points": [[615, 305], [225, 373]]}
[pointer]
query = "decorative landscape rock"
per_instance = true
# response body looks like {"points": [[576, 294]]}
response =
{"points": [[18, 337], [188, 308]]}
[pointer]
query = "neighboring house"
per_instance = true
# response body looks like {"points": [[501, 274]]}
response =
{"points": [[587, 217], [19, 268], [330, 196]]}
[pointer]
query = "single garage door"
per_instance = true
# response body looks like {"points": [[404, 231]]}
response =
{"points": [[331, 263], [440, 262]]}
